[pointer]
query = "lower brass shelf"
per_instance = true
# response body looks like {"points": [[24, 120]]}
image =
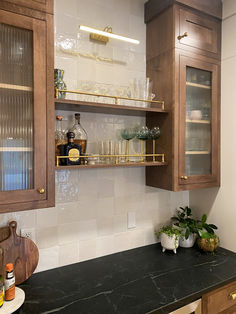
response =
{"points": [[123, 164]]}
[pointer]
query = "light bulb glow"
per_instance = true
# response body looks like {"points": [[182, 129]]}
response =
{"points": [[107, 34]]}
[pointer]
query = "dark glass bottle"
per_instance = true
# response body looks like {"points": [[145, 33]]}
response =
{"points": [[72, 150], [81, 136]]}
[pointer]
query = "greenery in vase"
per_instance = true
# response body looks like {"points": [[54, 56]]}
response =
{"points": [[208, 240], [184, 221], [170, 231]]}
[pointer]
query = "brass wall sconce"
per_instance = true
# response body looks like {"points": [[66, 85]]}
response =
{"points": [[103, 36]]}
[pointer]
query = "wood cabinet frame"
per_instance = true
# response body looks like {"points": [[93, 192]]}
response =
{"points": [[164, 66], [44, 176], [215, 138]]}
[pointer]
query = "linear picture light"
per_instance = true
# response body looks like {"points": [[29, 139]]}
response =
{"points": [[103, 36]]}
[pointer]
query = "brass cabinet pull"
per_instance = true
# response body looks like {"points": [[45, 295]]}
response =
{"points": [[41, 190], [184, 177], [182, 36], [232, 295]]}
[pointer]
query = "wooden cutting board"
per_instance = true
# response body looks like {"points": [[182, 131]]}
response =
{"points": [[20, 251]]}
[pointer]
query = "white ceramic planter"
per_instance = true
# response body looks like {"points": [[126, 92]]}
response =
{"points": [[187, 243], [183, 242], [169, 243]]}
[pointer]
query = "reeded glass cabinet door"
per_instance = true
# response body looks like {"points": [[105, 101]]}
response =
{"points": [[22, 108], [199, 137]]}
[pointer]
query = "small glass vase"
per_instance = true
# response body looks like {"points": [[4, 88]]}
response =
{"points": [[59, 83]]}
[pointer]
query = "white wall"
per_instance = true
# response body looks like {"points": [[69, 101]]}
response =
{"points": [[90, 217], [220, 203]]}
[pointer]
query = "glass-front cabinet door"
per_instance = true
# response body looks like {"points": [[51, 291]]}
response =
{"points": [[22, 109], [199, 126]]}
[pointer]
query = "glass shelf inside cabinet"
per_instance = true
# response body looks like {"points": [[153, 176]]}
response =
{"points": [[198, 122], [16, 109]]}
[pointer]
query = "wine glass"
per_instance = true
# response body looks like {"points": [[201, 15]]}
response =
{"points": [[154, 134], [127, 134], [142, 134]]}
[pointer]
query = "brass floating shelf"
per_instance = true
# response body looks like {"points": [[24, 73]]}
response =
{"points": [[116, 158], [123, 164], [115, 98]]}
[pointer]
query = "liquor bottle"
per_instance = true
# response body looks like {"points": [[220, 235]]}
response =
{"points": [[80, 134], [60, 136], [72, 150]]}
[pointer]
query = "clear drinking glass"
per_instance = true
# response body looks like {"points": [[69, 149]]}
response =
{"points": [[127, 134], [142, 134]]}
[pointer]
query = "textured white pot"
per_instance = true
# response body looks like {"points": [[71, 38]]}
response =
{"points": [[169, 243], [188, 242], [183, 242]]}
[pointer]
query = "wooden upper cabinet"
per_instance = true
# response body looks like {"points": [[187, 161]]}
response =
{"points": [[26, 112], [185, 71], [197, 33], [45, 6], [198, 123]]}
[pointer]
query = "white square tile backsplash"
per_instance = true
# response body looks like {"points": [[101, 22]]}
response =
{"points": [[90, 217]]}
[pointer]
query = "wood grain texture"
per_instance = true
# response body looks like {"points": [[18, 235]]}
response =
{"points": [[215, 165], [96, 107], [210, 7], [42, 27], [22, 252], [14, 8], [4, 233], [123, 164], [168, 74], [219, 301], [45, 6], [204, 32]]}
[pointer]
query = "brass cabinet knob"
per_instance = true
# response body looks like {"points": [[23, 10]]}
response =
{"points": [[182, 36], [184, 177], [41, 190], [232, 295]]}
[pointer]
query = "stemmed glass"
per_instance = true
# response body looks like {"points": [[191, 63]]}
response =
{"points": [[142, 134], [127, 134], [154, 134]]}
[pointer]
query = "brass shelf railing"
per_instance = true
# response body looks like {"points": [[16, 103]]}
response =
{"points": [[116, 98], [117, 157]]}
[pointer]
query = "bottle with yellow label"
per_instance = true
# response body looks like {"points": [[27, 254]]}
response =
{"points": [[72, 150]]}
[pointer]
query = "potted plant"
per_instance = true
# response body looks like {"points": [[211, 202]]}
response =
{"points": [[187, 226], [169, 237], [208, 241]]}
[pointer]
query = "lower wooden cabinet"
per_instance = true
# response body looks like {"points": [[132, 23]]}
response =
{"points": [[220, 301]]}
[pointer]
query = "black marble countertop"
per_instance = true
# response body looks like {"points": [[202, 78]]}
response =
{"points": [[137, 281]]}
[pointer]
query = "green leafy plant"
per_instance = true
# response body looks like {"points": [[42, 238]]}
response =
{"points": [[208, 240], [204, 229], [170, 231], [184, 221]]}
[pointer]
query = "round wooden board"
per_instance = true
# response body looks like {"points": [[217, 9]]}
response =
{"points": [[11, 306]]}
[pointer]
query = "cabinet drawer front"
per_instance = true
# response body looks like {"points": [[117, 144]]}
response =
{"points": [[220, 300], [203, 33]]}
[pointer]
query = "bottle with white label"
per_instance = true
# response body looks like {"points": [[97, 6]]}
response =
{"points": [[9, 283]]}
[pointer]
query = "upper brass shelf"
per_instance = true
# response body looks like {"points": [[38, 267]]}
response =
{"points": [[116, 98]]}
